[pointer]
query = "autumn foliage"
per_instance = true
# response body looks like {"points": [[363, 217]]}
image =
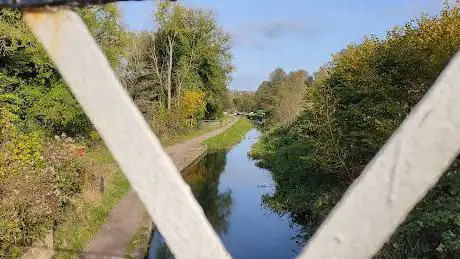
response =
{"points": [[193, 106], [354, 105], [41, 170]]}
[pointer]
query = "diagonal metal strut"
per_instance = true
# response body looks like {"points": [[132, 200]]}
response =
{"points": [[399, 176], [151, 173]]}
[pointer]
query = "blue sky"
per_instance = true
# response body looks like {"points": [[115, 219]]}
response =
{"points": [[291, 34]]}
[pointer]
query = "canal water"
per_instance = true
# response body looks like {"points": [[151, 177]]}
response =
{"points": [[229, 186]]}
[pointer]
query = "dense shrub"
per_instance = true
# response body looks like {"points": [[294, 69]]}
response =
{"points": [[356, 102], [40, 177], [38, 181]]}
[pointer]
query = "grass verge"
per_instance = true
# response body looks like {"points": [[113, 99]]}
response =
{"points": [[90, 213], [139, 245], [230, 137], [166, 141], [140, 242], [93, 208]]}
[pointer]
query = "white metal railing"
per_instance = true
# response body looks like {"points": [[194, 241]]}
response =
{"points": [[394, 181]]}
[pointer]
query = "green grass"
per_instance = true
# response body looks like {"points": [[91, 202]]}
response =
{"points": [[194, 132], [83, 224], [223, 141], [230, 137], [139, 244]]}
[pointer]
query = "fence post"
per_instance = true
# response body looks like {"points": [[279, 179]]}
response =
{"points": [[101, 184]]}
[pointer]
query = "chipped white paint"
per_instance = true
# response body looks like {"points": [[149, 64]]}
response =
{"points": [[150, 171], [397, 178]]}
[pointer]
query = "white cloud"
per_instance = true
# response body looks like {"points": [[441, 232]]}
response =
{"points": [[258, 34]]}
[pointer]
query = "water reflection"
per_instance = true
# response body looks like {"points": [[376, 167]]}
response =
{"points": [[230, 187], [203, 178]]}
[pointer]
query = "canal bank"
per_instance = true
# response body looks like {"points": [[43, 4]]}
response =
{"points": [[226, 139], [230, 188], [128, 217]]}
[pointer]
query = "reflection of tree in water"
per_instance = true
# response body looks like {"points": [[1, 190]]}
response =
{"points": [[203, 178], [297, 221]]}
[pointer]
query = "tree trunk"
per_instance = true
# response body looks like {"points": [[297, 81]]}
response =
{"points": [[170, 71], [158, 69], [178, 96], [183, 75]]}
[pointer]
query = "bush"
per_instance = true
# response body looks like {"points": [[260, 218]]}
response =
{"points": [[192, 108], [39, 179], [58, 111], [354, 106]]}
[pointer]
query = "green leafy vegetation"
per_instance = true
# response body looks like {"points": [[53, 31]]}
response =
{"points": [[51, 157], [243, 101], [280, 98], [139, 245], [352, 107], [201, 129], [178, 75], [230, 137], [42, 174], [90, 213]]}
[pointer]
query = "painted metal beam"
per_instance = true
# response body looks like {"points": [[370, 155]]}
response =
{"points": [[151, 173], [399, 176]]}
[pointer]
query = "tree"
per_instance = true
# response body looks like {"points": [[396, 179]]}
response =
{"points": [[353, 106], [292, 90], [31, 77], [104, 23], [193, 106], [281, 97], [244, 101], [187, 52], [35, 104], [167, 17]]}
